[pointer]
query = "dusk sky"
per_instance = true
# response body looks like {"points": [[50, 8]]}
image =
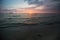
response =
{"points": [[26, 6]]}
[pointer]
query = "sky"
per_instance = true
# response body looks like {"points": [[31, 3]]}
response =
{"points": [[29, 6]]}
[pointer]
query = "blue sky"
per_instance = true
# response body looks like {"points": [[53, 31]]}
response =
{"points": [[14, 3]]}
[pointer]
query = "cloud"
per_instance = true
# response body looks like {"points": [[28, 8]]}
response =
{"points": [[34, 2], [52, 5], [48, 4]]}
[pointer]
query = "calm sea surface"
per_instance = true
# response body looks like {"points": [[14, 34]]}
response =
{"points": [[6, 19]]}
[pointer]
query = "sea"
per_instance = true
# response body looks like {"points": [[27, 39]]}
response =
{"points": [[37, 18], [38, 26]]}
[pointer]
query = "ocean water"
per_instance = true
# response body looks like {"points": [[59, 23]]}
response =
{"points": [[37, 27], [9, 18]]}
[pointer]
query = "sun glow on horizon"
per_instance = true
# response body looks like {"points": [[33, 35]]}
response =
{"points": [[30, 12]]}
